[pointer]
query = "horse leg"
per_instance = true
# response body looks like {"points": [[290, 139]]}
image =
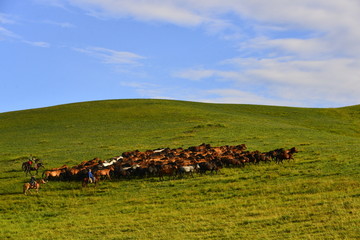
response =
{"points": [[25, 188], [161, 177]]}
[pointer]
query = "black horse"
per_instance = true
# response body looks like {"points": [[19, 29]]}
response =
{"points": [[27, 167]]}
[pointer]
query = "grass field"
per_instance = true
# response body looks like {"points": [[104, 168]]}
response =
{"points": [[317, 196]]}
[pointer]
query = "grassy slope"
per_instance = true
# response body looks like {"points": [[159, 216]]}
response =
{"points": [[317, 196]]}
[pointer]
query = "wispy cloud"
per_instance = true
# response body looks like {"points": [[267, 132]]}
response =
{"points": [[327, 15], [54, 3], [59, 24], [198, 74], [329, 24], [302, 52], [148, 89], [6, 34], [37, 44], [110, 56], [165, 11], [224, 95], [280, 80], [326, 26], [6, 19]]}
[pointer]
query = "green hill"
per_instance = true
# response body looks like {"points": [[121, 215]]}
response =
{"points": [[314, 197]]}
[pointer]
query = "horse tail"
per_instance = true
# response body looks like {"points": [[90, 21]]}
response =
{"points": [[26, 167]]}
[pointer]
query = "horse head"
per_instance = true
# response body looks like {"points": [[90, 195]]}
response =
{"points": [[39, 165], [43, 181], [294, 150]]}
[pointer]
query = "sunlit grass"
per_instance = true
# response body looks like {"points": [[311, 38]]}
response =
{"points": [[314, 197]]}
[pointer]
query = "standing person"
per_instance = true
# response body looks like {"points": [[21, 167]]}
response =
{"points": [[91, 176]]}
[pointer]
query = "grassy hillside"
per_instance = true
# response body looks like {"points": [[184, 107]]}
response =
{"points": [[314, 197]]}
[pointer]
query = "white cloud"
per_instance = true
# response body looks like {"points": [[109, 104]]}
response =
{"points": [[5, 33], [6, 19], [293, 50], [139, 85], [110, 56], [244, 97], [165, 11], [330, 27], [299, 48], [196, 74], [148, 89], [286, 81], [37, 44], [54, 3], [60, 24], [335, 22]]}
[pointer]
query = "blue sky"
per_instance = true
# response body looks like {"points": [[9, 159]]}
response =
{"points": [[298, 53]]}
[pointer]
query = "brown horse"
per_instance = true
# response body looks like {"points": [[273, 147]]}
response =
{"points": [[104, 172], [285, 154], [53, 173], [169, 169], [36, 186], [72, 172]]}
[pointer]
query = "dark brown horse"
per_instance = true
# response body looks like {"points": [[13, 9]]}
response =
{"points": [[27, 167], [285, 154], [169, 169]]}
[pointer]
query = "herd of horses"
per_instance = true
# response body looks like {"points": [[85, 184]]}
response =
{"points": [[173, 163]]}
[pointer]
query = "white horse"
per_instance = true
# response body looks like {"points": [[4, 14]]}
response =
{"points": [[188, 169], [133, 167], [118, 158], [158, 150], [106, 163]]}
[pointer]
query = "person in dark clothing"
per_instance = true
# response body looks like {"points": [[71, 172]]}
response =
{"points": [[91, 176], [32, 181]]}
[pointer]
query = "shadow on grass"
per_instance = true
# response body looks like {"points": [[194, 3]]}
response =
{"points": [[11, 193], [7, 177], [14, 170]]}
